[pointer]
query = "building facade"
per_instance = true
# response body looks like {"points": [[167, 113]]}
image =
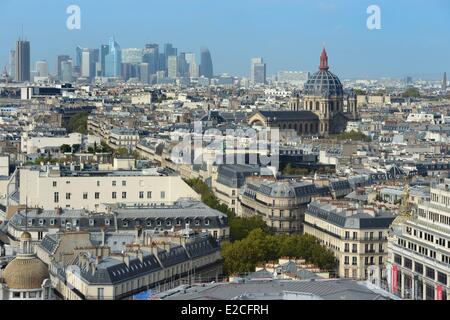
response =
{"points": [[357, 237], [281, 204], [419, 250], [51, 188]]}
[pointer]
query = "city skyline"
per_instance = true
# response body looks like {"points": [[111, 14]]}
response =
{"points": [[399, 49]]}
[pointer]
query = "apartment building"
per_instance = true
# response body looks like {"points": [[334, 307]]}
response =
{"points": [[419, 249], [281, 204], [230, 178], [81, 269], [51, 187], [356, 235], [185, 214]]}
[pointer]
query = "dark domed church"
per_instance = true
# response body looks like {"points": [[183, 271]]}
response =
{"points": [[325, 108]]}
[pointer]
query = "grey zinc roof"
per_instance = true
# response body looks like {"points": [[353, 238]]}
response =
{"points": [[289, 115], [234, 175], [112, 270], [359, 220], [332, 289]]}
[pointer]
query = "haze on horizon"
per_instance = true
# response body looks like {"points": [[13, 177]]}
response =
{"points": [[288, 34]]}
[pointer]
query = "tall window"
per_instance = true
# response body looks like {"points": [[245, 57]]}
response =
{"points": [[56, 197], [149, 194], [68, 196], [114, 195], [141, 194], [85, 195], [124, 195], [100, 293], [97, 195], [163, 194]]}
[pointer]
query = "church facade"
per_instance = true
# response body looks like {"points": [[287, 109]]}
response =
{"points": [[324, 108]]}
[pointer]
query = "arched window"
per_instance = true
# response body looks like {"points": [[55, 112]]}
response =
{"points": [[332, 106], [289, 126], [295, 126], [317, 106], [310, 105], [300, 127]]}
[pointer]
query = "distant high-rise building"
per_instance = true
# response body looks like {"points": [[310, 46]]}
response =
{"points": [[132, 55], [87, 60], [61, 58], [169, 50], [172, 67], [42, 68], [206, 65], [66, 71], [258, 71], [104, 50], [78, 56], [444, 82], [22, 61], [183, 68], [12, 64], [162, 62], [144, 73], [151, 56], [408, 81], [192, 65], [113, 60]]}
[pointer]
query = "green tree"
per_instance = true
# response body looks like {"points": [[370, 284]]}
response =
{"points": [[411, 93], [76, 147], [78, 122], [65, 148], [121, 152]]}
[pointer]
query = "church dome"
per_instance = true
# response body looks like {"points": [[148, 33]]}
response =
{"points": [[323, 83], [24, 273]]}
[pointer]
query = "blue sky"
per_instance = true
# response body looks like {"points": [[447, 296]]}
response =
{"points": [[288, 34]]}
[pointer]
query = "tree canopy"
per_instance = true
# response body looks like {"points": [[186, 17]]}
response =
{"points": [[258, 247], [78, 122], [239, 227]]}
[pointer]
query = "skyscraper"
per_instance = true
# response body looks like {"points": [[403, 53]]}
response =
{"points": [[86, 64], [444, 82], [151, 56], [206, 65], [258, 71], [78, 56], [192, 64], [132, 55], [143, 73], [12, 64], [22, 61], [183, 70], [66, 71], [104, 50], [42, 68], [169, 50], [61, 58], [113, 60], [172, 67]]}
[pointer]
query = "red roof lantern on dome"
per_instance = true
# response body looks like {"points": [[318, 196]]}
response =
{"points": [[324, 61]]}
